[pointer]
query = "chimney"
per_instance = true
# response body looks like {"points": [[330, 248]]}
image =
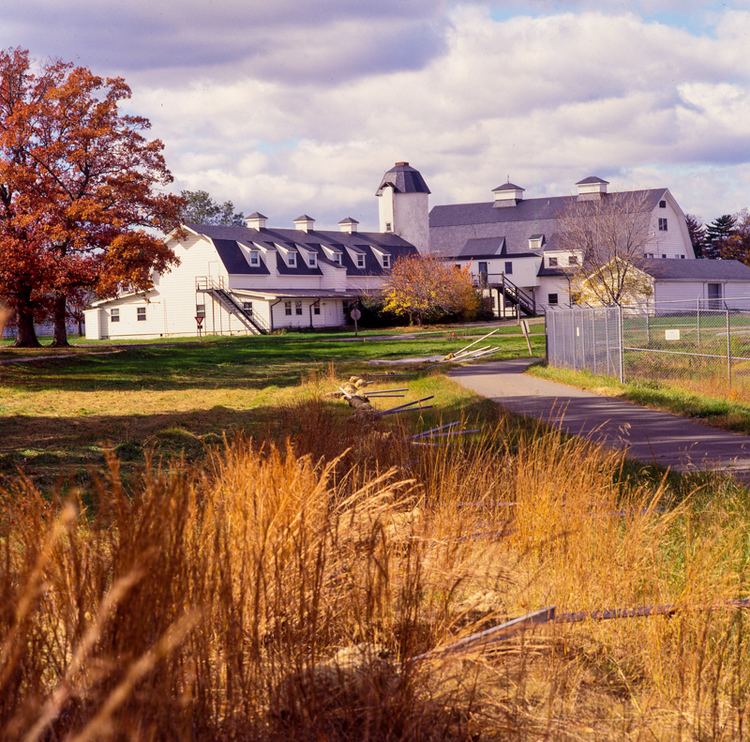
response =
{"points": [[508, 194], [591, 188], [256, 220], [304, 223], [348, 225]]}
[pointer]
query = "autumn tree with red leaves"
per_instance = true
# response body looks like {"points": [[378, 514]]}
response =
{"points": [[81, 203]]}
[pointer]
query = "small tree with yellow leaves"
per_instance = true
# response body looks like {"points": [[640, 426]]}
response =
{"points": [[423, 288]]}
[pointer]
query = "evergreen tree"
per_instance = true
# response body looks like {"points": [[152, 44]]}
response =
{"points": [[697, 232], [718, 233]]}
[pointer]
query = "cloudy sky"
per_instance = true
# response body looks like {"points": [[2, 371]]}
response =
{"points": [[290, 106]]}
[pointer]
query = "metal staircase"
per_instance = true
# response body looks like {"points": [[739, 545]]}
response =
{"points": [[214, 287], [517, 296]]}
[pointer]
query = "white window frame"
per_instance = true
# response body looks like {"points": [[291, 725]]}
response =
{"points": [[360, 261], [337, 258], [114, 314], [316, 308], [386, 261], [572, 260], [663, 224], [291, 259], [554, 303], [298, 308], [552, 262], [287, 309], [140, 314], [312, 260], [248, 306], [254, 258]]}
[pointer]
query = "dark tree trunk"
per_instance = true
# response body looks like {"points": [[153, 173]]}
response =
{"points": [[26, 333], [60, 339]]}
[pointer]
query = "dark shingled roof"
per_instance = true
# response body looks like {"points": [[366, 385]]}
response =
{"points": [[404, 179], [452, 225], [486, 247], [592, 179], [348, 220], [256, 215], [235, 262], [508, 187], [695, 270], [304, 218]]}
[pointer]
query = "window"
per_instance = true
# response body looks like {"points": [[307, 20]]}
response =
{"points": [[141, 314], [254, 258], [388, 227], [662, 204], [337, 258], [552, 262], [312, 261], [292, 259], [200, 310], [551, 298], [664, 255], [509, 268], [386, 261], [572, 260], [316, 308], [114, 315], [682, 257], [248, 307], [288, 308], [298, 307], [663, 226], [650, 255], [360, 260]]}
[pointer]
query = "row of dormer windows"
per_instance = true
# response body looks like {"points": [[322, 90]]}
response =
{"points": [[312, 259]]}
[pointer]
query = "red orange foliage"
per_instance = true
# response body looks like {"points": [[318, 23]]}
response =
{"points": [[80, 190]]}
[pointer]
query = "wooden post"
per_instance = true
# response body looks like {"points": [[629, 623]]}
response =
{"points": [[525, 330]]}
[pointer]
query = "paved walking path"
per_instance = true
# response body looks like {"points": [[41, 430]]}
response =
{"points": [[649, 435]]}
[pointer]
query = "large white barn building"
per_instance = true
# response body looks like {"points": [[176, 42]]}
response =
{"points": [[254, 278]]}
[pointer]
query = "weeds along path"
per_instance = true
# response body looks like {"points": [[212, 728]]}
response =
{"points": [[648, 435]]}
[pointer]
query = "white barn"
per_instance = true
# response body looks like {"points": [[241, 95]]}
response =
{"points": [[510, 243], [253, 279]]}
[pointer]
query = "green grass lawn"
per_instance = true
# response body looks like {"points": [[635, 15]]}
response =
{"points": [[59, 416]]}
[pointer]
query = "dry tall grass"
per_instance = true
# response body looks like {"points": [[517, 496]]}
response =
{"points": [[282, 591]]}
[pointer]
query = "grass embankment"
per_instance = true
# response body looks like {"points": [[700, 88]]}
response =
{"points": [[60, 416], [306, 590], [716, 408]]}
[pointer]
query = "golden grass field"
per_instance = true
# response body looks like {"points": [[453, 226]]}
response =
{"points": [[301, 584]]}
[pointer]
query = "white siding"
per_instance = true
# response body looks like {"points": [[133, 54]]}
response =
{"points": [[676, 240]]}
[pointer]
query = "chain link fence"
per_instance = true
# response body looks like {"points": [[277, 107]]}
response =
{"points": [[696, 345]]}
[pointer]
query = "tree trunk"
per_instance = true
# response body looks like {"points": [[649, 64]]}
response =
{"points": [[26, 333], [60, 339]]}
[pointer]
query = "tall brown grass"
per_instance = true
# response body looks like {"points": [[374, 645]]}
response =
{"points": [[282, 591]]}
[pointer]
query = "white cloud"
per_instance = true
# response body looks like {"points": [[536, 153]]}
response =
{"points": [[290, 107]]}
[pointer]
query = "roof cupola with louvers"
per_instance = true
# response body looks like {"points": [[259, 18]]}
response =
{"points": [[591, 188], [256, 220], [508, 194]]}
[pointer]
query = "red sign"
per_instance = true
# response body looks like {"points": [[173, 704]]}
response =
{"points": [[199, 320]]}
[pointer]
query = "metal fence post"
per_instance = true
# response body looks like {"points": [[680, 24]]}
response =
{"points": [[606, 341], [698, 320], [621, 335], [648, 330], [729, 350]]}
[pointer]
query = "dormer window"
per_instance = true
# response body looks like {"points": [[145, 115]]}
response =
{"points": [[360, 260], [535, 241], [337, 258], [312, 260], [253, 258], [386, 261], [292, 259], [552, 262]]}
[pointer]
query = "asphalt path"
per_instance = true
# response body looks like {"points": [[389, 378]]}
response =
{"points": [[648, 435]]}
